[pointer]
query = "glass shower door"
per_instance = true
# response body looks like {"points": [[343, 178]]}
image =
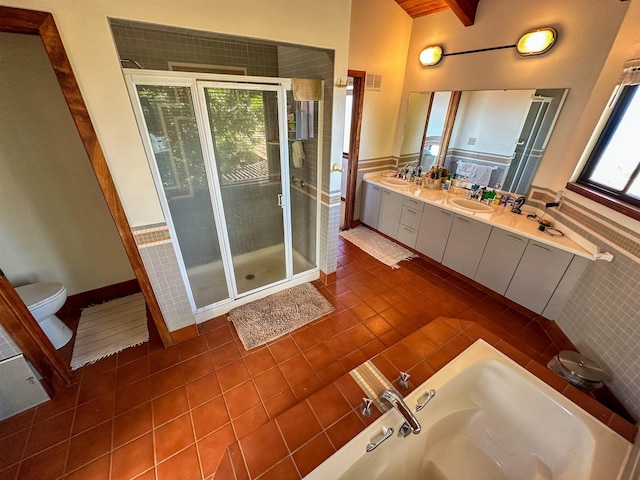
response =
{"points": [[181, 179], [244, 124]]}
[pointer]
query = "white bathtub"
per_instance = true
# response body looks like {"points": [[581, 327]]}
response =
{"points": [[490, 420]]}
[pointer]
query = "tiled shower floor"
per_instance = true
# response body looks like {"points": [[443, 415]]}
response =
{"points": [[172, 414]]}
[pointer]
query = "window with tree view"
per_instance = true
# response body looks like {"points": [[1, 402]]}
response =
{"points": [[613, 167]]}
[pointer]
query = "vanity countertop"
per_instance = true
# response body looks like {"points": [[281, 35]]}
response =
{"points": [[501, 217]]}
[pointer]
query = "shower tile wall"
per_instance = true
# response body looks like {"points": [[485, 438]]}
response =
{"points": [[602, 315], [296, 62], [8, 347], [153, 46], [161, 263]]}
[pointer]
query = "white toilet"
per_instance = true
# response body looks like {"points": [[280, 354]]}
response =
{"points": [[44, 300]]}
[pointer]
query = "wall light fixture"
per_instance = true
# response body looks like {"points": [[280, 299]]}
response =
{"points": [[533, 42]]}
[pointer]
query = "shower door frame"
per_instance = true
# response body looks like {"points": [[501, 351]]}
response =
{"points": [[195, 82], [216, 193]]}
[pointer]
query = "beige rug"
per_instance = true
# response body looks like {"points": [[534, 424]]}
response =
{"points": [[388, 252], [109, 328], [271, 317]]}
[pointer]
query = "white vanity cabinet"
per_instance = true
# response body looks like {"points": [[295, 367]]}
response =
{"points": [[370, 204], [410, 222], [390, 212], [467, 241], [434, 231], [537, 276], [500, 259]]}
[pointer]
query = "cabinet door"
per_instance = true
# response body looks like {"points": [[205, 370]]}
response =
{"points": [[370, 204], [538, 275], [466, 243], [390, 211], [500, 259], [434, 231]]}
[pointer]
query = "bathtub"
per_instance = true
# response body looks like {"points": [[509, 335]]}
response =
{"points": [[490, 420]]}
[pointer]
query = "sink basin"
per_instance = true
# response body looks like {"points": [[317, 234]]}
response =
{"points": [[395, 182], [471, 205]]}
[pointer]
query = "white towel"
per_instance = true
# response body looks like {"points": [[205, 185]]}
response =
{"points": [[466, 169], [482, 176], [476, 174], [297, 154]]}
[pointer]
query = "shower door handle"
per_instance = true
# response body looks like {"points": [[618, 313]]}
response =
{"points": [[280, 202]]}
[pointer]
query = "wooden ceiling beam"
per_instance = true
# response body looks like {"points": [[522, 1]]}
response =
{"points": [[465, 10], [419, 8]]}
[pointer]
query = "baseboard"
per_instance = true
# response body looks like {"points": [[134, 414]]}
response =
{"points": [[99, 295], [327, 278], [185, 333]]}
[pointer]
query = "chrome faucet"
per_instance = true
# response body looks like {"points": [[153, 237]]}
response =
{"points": [[395, 400], [477, 194]]}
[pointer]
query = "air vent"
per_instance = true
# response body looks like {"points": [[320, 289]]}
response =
{"points": [[374, 82]]}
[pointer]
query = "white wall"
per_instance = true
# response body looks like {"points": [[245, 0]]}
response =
{"points": [[380, 32], [626, 46], [87, 39], [414, 122], [55, 222], [494, 118]]}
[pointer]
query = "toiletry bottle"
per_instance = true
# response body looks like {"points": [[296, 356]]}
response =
{"points": [[447, 183]]}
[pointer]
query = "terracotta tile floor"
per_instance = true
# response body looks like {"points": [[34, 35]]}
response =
{"points": [[178, 413]]}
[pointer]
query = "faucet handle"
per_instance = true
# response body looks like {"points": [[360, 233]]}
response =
{"points": [[403, 380], [365, 406]]}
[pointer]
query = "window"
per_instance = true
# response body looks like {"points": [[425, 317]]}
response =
{"points": [[611, 174]]}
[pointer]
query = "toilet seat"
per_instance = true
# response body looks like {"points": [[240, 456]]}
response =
{"points": [[38, 294]]}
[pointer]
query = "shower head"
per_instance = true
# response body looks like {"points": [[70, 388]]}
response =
{"points": [[128, 60]]}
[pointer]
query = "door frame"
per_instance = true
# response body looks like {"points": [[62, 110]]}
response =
{"points": [[359, 78], [18, 320]]}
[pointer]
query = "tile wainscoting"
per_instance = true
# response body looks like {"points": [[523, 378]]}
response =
{"points": [[601, 316]]}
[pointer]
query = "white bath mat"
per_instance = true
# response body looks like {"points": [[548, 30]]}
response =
{"points": [[109, 328], [388, 252]]}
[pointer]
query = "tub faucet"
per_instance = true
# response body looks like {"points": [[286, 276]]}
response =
{"points": [[395, 400]]}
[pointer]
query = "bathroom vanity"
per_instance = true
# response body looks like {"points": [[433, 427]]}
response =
{"points": [[499, 249]]}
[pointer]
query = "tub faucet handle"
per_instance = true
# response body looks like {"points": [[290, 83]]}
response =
{"points": [[365, 406], [403, 380]]}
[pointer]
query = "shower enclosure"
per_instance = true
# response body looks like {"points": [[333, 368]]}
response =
{"points": [[219, 150]]}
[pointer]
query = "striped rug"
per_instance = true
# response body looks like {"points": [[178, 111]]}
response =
{"points": [[108, 328], [380, 248]]}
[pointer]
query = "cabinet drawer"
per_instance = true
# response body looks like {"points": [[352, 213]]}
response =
{"points": [[415, 204], [411, 217], [407, 236]]}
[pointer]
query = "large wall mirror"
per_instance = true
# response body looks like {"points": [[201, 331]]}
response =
{"points": [[495, 136]]}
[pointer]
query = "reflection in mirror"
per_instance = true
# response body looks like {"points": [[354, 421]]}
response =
{"points": [[434, 129], [498, 137], [424, 123]]}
